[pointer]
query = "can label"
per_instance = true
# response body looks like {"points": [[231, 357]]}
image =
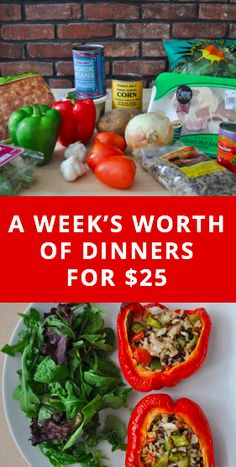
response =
{"points": [[127, 94], [227, 143], [89, 69]]}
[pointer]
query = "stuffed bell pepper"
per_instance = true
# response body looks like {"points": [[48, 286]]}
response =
{"points": [[159, 347], [162, 433]]}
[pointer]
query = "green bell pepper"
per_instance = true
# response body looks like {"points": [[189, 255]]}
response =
{"points": [[35, 127]]}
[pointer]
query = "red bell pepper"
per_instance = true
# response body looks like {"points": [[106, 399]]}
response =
{"points": [[143, 379], [156, 404], [78, 120]]}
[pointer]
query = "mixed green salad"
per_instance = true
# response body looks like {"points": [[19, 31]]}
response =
{"points": [[66, 379]]}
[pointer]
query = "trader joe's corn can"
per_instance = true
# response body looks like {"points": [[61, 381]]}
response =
{"points": [[227, 143], [127, 92], [89, 70]]}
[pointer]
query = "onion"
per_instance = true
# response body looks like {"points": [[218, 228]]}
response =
{"points": [[151, 129]]}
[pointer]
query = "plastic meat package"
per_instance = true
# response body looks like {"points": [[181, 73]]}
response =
{"points": [[202, 56], [198, 104], [16, 168], [184, 170]]}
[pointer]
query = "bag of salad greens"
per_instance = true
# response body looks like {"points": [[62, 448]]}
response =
{"points": [[202, 56]]}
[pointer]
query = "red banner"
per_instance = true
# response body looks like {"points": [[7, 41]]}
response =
{"points": [[114, 249]]}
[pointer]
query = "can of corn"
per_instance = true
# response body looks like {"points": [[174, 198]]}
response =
{"points": [[127, 91]]}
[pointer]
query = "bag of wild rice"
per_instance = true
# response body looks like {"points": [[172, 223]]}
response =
{"points": [[184, 170]]}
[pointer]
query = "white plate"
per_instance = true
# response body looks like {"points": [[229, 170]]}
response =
{"points": [[213, 387]]}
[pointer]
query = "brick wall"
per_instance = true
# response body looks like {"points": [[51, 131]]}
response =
{"points": [[40, 35]]}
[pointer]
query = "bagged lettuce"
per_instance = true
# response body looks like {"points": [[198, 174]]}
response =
{"points": [[202, 57]]}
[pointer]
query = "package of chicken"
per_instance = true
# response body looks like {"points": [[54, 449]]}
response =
{"points": [[196, 106]]}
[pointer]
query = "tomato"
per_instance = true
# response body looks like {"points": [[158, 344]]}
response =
{"points": [[142, 356], [101, 151], [111, 138], [116, 171]]}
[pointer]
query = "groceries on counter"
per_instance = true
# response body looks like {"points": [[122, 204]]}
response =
{"points": [[127, 92], [35, 127], [164, 433], [18, 91], [106, 158], [202, 56], [201, 103], [16, 168], [184, 170], [151, 129]]}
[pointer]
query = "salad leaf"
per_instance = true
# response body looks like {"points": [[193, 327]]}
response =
{"points": [[66, 379], [47, 371], [115, 432]]}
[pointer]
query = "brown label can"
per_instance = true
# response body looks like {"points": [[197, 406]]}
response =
{"points": [[127, 92], [227, 142]]}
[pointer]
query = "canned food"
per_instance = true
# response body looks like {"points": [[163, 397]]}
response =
{"points": [[127, 91], [177, 126], [227, 144], [89, 69]]}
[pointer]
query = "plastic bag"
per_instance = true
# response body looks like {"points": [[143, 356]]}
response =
{"points": [[202, 57], [16, 168], [199, 103], [184, 170]]}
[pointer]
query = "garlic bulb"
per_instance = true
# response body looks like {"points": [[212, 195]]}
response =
{"points": [[76, 149], [72, 168]]}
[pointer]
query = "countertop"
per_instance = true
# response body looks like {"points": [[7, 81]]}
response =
{"points": [[49, 181]]}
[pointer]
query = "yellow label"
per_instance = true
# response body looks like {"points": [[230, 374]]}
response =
{"points": [[192, 163], [127, 94], [201, 169]]}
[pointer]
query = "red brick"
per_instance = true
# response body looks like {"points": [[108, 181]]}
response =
{"points": [[53, 11], [142, 31], [84, 30], [8, 50], [203, 30], [219, 11], [50, 50], [100, 11], [233, 31], [153, 49], [121, 49], [60, 83], [169, 11], [10, 12], [145, 68], [27, 31], [12, 68], [64, 68]]}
